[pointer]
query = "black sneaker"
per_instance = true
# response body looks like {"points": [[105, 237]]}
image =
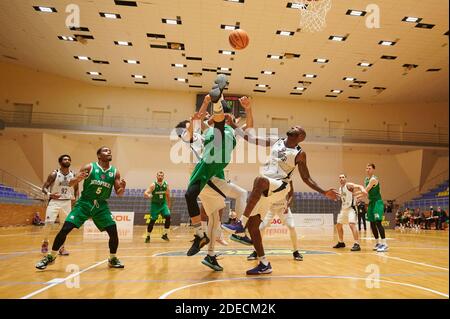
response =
{"points": [[297, 256], [356, 247], [197, 244], [244, 240], [115, 263], [252, 256], [147, 239], [165, 237], [218, 87], [45, 261], [212, 263], [339, 245]]}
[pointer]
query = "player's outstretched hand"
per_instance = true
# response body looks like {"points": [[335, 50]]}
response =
{"points": [[122, 183], [81, 175], [245, 102], [332, 194]]}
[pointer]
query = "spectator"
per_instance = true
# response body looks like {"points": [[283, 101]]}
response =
{"points": [[37, 220], [429, 218], [398, 217], [441, 219], [361, 209]]}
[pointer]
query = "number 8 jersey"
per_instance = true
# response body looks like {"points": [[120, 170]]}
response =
{"points": [[99, 184]]}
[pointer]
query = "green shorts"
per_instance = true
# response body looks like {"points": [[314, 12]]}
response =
{"points": [[157, 209], [97, 210], [204, 171], [375, 211]]}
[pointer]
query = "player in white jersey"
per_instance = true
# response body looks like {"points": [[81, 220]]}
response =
{"points": [[272, 187], [348, 212], [283, 211], [60, 196]]}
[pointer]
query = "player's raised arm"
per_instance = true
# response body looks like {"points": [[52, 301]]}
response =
{"points": [[48, 183], [306, 177], [119, 184], [81, 175]]}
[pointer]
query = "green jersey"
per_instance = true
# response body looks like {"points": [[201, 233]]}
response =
{"points": [[219, 153], [375, 192], [99, 184], [159, 193]]}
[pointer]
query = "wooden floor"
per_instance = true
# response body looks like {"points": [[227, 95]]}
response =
{"points": [[416, 266]]}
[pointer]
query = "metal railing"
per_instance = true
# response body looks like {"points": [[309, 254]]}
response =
{"points": [[22, 186], [144, 125]]}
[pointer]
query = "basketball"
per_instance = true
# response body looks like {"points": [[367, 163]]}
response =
{"points": [[239, 39]]}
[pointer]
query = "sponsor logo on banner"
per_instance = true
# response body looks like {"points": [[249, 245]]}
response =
{"points": [[124, 221], [276, 227]]}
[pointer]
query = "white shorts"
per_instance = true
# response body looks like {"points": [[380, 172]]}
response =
{"points": [[275, 198], [57, 207], [286, 218], [347, 216], [213, 201]]}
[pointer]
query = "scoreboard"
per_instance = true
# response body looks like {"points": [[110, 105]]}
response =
{"points": [[234, 107]]}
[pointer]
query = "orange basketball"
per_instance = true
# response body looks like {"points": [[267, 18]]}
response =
{"points": [[238, 39]]}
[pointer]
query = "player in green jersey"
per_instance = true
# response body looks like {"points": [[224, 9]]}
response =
{"points": [[99, 179], [375, 210], [160, 202]]}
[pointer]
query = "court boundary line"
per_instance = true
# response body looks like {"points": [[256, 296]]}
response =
{"points": [[62, 280], [165, 295], [411, 261]]}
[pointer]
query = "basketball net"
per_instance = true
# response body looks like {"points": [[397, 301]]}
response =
{"points": [[313, 14]]}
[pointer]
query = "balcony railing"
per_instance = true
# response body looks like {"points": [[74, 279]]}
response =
{"points": [[143, 125]]}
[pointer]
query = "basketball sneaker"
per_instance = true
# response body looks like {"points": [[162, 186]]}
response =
{"points": [[356, 247], [252, 256], [115, 263], [245, 240], [45, 261], [212, 263], [235, 228], [339, 245], [63, 252], [218, 87], [147, 239], [165, 237], [44, 247], [297, 256], [197, 244], [382, 248], [376, 246], [260, 269]]}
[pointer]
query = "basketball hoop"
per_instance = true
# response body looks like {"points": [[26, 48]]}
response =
{"points": [[313, 14]]}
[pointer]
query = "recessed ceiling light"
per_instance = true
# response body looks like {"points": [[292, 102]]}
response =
{"points": [[411, 19], [137, 76], [286, 33], [349, 79], [83, 58], [223, 69], [229, 27], [310, 75], [262, 85], [268, 72], [356, 13], [337, 38], [387, 43], [274, 57], [179, 65], [66, 38], [425, 25], [336, 91], [321, 60], [44, 9], [365, 64], [238, 1], [172, 21], [181, 80], [226, 52], [299, 88], [124, 43], [295, 5], [110, 15], [94, 73], [131, 61]]}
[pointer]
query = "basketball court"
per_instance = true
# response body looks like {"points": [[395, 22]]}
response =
{"points": [[366, 80]]}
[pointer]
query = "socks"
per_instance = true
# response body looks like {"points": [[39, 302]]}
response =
{"points": [[199, 230], [54, 253], [111, 256], [263, 260], [165, 231], [244, 220], [383, 241]]}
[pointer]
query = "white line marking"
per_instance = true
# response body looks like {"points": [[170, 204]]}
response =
{"points": [[61, 280], [164, 296], [413, 262]]}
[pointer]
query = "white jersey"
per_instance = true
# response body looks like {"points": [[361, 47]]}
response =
{"points": [[281, 163], [346, 197], [61, 185]]}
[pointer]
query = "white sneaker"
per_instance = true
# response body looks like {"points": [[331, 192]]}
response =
{"points": [[382, 248], [376, 246]]}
